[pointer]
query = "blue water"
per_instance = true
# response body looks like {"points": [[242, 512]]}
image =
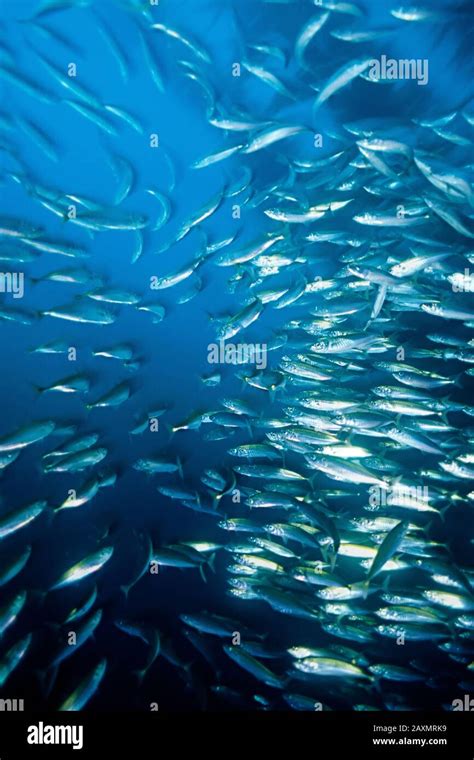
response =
{"points": [[173, 354]]}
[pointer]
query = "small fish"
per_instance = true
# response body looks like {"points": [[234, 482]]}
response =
{"points": [[342, 78], [271, 136], [17, 519], [254, 667], [13, 657], [308, 33], [193, 46], [10, 611], [26, 436], [81, 312], [87, 566], [269, 78], [215, 158], [78, 461], [115, 397], [156, 465], [86, 689], [387, 549], [13, 567], [328, 666]]}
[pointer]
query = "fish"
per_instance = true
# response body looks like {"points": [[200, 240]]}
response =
{"points": [[327, 666], [307, 34], [114, 397], [387, 549], [13, 657], [268, 78], [13, 567], [185, 40], [86, 689], [81, 312], [10, 611], [78, 612], [342, 78], [27, 435], [83, 633], [20, 518], [214, 158], [254, 667], [350, 472], [77, 461], [270, 136], [85, 567], [156, 465], [212, 624]]}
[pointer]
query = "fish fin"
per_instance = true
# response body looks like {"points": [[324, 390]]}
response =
{"points": [[377, 683], [363, 585], [126, 588], [394, 483], [202, 574], [215, 501], [212, 561], [180, 467], [170, 431], [442, 512]]}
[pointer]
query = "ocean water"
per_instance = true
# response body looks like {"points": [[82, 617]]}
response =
{"points": [[172, 354]]}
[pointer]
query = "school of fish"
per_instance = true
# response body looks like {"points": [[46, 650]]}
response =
{"points": [[323, 541]]}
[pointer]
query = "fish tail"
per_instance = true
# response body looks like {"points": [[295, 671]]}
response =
{"points": [[140, 674], [212, 561], [442, 512], [126, 588], [364, 585]]}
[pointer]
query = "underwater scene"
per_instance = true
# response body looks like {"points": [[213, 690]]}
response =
{"points": [[237, 332]]}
